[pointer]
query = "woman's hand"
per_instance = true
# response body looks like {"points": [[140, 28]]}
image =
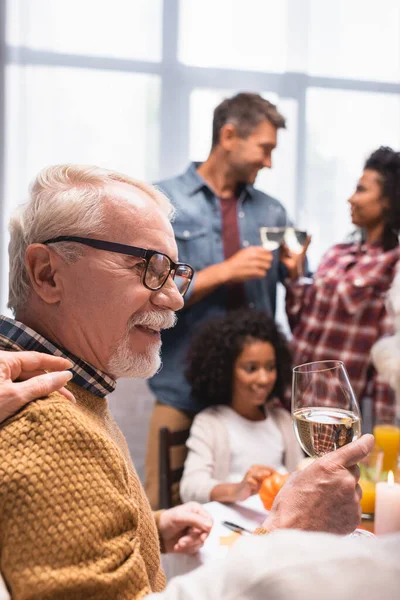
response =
{"points": [[294, 262], [30, 368]]}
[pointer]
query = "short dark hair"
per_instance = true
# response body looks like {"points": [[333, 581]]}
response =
{"points": [[245, 111], [218, 344], [386, 162]]}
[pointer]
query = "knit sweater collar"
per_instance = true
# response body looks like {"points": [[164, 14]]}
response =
{"points": [[17, 336]]}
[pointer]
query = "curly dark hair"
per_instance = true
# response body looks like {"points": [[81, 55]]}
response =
{"points": [[214, 350], [386, 162]]}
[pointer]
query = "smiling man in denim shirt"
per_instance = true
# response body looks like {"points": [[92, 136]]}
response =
{"points": [[219, 214]]}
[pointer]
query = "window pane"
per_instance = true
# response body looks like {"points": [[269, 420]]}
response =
{"points": [[84, 27], [280, 181], [357, 39], [76, 115], [343, 128], [59, 115], [230, 34]]}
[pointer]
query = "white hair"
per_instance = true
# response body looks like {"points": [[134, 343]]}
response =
{"points": [[64, 200]]}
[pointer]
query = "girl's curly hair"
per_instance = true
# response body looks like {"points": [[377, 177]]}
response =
{"points": [[214, 350], [386, 162]]}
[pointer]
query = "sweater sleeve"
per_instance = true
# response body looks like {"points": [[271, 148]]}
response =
{"points": [[69, 524], [199, 473]]}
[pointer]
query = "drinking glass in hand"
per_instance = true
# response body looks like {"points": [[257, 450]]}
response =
{"points": [[325, 412], [272, 237], [295, 239]]}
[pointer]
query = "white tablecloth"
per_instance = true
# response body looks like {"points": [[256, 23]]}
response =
{"points": [[249, 514]]}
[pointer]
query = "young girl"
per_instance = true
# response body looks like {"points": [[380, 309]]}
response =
{"points": [[239, 368]]}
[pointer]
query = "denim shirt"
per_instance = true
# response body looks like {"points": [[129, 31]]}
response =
{"points": [[198, 232]]}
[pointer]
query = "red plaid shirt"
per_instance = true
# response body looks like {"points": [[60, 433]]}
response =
{"points": [[342, 313]]}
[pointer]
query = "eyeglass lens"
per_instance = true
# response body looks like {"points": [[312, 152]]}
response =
{"points": [[158, 271]]}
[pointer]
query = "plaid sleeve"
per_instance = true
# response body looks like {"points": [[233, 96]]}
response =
{"points": [[295, 295], [384, 400], [381, 392]]}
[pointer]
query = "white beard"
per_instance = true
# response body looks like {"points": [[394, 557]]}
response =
{"points": [[127, 363]]}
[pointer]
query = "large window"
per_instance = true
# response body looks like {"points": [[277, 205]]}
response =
{"points": [[131, 85]]}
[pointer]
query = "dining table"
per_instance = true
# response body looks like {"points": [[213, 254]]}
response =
{"points": [[248, 514]]}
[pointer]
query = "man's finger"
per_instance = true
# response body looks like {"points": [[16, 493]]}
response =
{"points": [[41, 386], [69, 395], [187, 548], [197, 521], [18, 362], [352, 453], [359, 492], [355, 471], [200, 510], [30, 374]]}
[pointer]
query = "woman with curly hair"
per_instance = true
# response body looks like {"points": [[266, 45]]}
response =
{"points": [[340, 313], [239, 368]]}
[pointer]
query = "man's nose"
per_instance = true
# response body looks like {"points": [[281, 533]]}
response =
{"points": [[168, 296], [267, 162]]}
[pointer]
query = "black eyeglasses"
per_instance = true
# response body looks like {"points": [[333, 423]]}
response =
{"points": [[158, 266]]}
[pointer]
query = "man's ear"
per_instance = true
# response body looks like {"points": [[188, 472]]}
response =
{"points": [[228, 136], [42, 265]]}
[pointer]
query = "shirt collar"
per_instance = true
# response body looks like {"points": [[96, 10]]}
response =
{"points": [[195, 182], [17, 336]]}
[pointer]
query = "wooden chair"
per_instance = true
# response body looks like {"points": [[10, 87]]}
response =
{"points": [[167, 475]]}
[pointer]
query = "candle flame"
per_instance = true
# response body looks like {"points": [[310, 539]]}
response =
{"points": [[390, 478]]}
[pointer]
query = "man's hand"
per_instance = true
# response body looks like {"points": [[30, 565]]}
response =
{"points": [[325, 496], [184, 529], [30, 367], [253, 262]]}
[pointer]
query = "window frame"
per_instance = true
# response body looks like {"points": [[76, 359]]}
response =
{"points": [[179, 80]]}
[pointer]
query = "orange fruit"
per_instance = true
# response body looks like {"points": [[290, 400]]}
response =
{"points": [[270, 488]]}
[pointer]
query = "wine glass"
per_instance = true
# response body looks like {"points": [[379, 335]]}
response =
{"points": [[295, 239], [325, 412], [272, 237]]}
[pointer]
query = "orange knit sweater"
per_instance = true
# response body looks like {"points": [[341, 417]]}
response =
{"points": [[74, 520]]}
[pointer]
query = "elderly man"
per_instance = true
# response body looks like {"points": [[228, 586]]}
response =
{"points": [[94, 277]]}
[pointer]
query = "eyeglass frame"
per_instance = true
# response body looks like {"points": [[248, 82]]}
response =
{"points": [[142, 253]]}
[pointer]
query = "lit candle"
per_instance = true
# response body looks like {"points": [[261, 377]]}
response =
{"points": [[387, 506]]}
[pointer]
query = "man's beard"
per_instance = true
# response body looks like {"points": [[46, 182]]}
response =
{"points": [[125, 362], [246, 175]]}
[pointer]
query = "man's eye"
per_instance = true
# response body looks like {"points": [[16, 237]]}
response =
{"points": [[139, 267]]}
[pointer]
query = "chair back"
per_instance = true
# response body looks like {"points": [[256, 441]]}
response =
{"points": [[169, 476]]}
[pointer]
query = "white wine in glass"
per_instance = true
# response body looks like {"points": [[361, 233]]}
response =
{"points": [[325, 412]]}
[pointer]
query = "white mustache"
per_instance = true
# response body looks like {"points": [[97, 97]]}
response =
{"points": [[154, 320]]}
